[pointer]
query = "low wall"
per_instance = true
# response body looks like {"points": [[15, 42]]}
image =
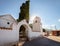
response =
{"points": [[8, 36]]}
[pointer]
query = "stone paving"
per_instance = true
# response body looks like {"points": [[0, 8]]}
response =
{"points": [[42, 41]]}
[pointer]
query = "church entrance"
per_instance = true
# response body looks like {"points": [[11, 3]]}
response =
{"points": [[22, 33], [23, 29]]}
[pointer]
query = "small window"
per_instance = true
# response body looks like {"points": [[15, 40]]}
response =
{"points": [[36, 21], [8, 23]]}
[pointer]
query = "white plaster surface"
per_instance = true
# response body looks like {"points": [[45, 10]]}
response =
{"points": [[9, 36], [29, 31]]}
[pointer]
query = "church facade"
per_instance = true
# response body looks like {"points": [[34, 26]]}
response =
{"points": [[37, 25], [9, 29]]}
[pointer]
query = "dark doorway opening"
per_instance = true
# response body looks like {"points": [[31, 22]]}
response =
{"points": [[58, 33], [22, 33]]}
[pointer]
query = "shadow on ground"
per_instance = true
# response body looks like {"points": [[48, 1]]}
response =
{"points": [[41, 41]]}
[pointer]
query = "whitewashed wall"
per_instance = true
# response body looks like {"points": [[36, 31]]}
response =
{"points": [[3, 23], [36, 27], [9, 36], [31, 35]]}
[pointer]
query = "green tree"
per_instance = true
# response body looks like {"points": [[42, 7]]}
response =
{"points": [[24, 12], [30, 25], [44, 30]]}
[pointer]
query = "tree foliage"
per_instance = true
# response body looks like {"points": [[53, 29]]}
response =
{"points": [[44, 30], [24, 14], [24, 11], [30, 25]]}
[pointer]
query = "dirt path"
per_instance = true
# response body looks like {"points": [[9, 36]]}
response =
{"points": [[55, 38]]}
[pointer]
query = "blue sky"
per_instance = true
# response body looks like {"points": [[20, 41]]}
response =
{"points": [[47, 10]]}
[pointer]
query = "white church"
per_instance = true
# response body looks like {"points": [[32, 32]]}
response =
{"points": [[9, 29]]}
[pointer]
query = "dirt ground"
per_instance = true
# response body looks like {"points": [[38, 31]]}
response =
{"points": [[55, 38]]}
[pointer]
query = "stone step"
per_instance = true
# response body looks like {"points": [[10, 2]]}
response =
{"points": [[23, 39], [22, 36], [20, 32]]}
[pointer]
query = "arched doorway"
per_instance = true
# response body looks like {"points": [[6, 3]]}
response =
{"points": [[23, 33], [27, 29], [23, 24]]}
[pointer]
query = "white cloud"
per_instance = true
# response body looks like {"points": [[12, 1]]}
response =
{"points": [[53, 25], [32, 17], [59, 20], [46, 26], [49, 26]]}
